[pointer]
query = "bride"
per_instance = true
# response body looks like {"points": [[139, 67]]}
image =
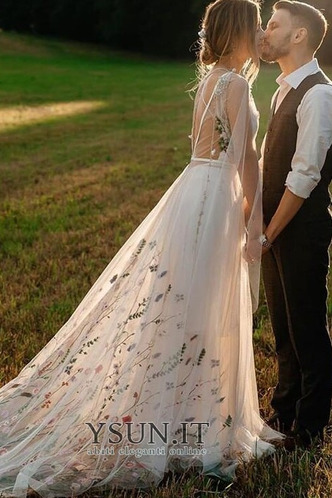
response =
{"points": [[154, 371]]}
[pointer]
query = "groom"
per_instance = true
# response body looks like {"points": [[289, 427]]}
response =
{"points": [[297, 162]]}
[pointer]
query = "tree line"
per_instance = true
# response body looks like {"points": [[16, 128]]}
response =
{"points": [[156, 27]]}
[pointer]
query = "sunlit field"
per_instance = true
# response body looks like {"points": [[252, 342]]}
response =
{"points": [[90, 140]]}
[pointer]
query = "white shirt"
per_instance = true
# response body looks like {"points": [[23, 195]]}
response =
{"points": [[314, 119]]}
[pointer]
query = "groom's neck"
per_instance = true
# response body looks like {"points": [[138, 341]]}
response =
{"points": [[294, 61]]}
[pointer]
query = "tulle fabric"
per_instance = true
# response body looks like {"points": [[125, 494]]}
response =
{"points": [[164, 336]]}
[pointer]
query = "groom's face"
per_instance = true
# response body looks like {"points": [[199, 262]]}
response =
{"points": [[277, 37]]}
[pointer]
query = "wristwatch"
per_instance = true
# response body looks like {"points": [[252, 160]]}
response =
{"points": [[264, 241]]}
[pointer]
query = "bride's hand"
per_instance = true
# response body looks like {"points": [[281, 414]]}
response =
{"points": [[252, 251]]}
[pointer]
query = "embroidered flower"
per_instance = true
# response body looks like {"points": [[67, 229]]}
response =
{"points": [[223, 136]]}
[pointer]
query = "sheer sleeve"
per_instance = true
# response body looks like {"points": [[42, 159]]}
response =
{"points": [[224, 132], [243, 147], [242, 117]]}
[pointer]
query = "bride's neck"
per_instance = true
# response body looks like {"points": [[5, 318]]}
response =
{"points": [[231, 63]]}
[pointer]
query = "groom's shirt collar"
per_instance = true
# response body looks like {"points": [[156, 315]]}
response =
{"points": [[295, 78]]}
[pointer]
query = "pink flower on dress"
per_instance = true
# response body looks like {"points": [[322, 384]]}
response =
{"points": [[3, 451], [126, 419], [99, 368]]}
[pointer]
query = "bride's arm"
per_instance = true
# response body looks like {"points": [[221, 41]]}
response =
{"points": [[243, 140]]}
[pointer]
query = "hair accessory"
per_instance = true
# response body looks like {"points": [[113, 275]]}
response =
{"points": [[202, 34]]}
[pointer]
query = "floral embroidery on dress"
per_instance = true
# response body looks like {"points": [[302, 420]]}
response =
{"points": [[221, 122], [152, 341], [224, 139], [223, 82]]}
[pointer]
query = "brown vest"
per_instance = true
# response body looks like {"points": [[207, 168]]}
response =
{"points": [[280, 147]]}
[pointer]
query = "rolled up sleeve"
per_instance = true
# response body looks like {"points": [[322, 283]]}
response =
{"points": [[314, 118]]}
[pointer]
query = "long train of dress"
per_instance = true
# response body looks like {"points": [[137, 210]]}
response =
{"points": [[160, 347]]}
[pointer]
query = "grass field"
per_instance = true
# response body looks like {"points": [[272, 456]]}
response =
{"points": [[89, 142]]}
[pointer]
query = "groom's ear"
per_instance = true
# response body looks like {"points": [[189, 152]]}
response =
{"points": [[300, 35]]}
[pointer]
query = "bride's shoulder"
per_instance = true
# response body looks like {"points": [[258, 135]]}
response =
{"points": [[234, 82], [238, 80]]}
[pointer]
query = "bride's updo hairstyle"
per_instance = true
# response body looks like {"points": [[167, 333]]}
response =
{"points": [[225, 24]]}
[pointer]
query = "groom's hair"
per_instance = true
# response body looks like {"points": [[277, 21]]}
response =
{"points": [[309, 17]]}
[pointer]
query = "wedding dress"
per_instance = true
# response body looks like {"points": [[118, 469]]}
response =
{"points": [[163, 337]]}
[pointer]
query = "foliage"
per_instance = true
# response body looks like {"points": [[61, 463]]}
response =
{"points": [[160, 28]]}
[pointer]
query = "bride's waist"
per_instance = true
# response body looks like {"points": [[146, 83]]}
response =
{"points": [[221, 162]]}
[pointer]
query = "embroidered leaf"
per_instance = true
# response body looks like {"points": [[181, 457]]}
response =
{"points": [[201, 356], [220, 400], [228, 421]]}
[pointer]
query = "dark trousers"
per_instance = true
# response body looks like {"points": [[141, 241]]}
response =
{"points": [[294, 273]]}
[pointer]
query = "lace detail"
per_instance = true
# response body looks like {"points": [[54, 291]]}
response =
{"points": [[223, 83], [222, 123], [224, 134]]}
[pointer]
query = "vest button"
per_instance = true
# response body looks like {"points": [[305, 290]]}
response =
{"points": [[267, 149]]}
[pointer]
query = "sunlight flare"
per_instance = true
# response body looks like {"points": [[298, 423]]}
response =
{"points": [[14, 117]]}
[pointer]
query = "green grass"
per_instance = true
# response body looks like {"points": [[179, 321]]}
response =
{"points": [[76, 179]]}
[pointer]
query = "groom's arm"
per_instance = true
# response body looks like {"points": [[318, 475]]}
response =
{"points": [[313, 142], [287, 209]]}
